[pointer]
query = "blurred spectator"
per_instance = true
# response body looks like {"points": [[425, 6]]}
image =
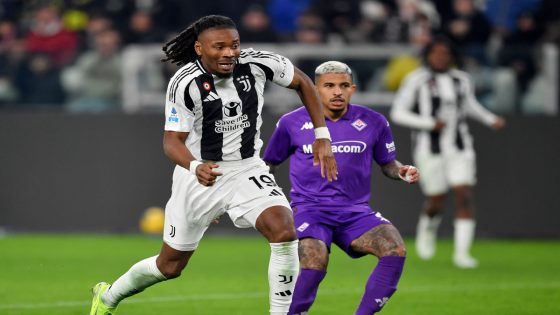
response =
{"points": [[412, 17], [255, 26], [48, 36], [96, 25], [517, 50], [94, 82], [284, 15], [370, 27], [503, 14], [175, 15], [8, 35], [468, 28], [310, 29], [42, 86], [12, 72], [141, 29], [399, 66], [548, 14], [10, 9], [340, 16]]}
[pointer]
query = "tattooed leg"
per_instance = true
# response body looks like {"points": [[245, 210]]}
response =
{"points": [[385, 242], [382, 240]]}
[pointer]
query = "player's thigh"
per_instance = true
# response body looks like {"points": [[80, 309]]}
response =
{"points": [[433, 179], [352, 225], [382, 240], [256, 193], [461, 168], [313, 254], [190, 210], [315, 225]]}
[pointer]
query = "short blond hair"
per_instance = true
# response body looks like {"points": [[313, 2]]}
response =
{"points": [[333, 67]]}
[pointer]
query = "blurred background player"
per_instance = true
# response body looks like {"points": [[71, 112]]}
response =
{"points": [[213, 115], [435, 101], [338, 211]]}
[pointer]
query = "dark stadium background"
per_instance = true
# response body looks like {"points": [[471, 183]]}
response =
{"points": [[85, 169]]}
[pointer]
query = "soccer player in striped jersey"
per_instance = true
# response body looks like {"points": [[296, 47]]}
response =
{"points": [[435, 101], [339, 212], [213, 116]]}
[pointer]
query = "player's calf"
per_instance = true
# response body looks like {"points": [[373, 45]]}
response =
{"points": [[283, 270], [385, 242]]}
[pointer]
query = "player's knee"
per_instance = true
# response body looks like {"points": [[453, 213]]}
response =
{"points": [[394, 249], [284, 235], [315, 263], [464, 201], [434, 206], [172, 270]]}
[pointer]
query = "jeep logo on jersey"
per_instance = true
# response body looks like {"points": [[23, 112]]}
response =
{"points": [[232, 109], [350, 146], [244, 79]]}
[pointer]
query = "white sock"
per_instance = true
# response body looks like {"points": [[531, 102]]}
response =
{"points": [[464, 235], [427, 223], [143, 274], [426, 235], [283, 270]]}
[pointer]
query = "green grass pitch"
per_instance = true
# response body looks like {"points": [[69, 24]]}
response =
{"points": [[52, 274]]}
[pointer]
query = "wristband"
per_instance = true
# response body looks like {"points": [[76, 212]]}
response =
{"points": [[193, 165], [322, 133]]}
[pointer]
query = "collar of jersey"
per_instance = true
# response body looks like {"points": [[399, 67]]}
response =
{"points": [[346, 116]]}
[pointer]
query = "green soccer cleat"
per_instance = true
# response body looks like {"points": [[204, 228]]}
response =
{"points": [[97, 305]]}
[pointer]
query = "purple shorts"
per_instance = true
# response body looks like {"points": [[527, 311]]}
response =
{"points": [[340, 227]]}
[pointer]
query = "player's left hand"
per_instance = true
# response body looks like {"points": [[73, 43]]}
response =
{"points": [[409, 174], [323, 156], [499, 124]]}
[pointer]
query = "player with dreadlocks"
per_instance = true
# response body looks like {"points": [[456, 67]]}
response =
{"points": [[213, 116]]}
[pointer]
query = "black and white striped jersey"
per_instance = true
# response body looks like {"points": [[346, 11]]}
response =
{"points": [[223, 115], [425, 97]]}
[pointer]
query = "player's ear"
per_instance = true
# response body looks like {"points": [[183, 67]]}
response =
{"points": [[198, 48]]}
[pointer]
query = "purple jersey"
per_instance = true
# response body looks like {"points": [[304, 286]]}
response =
{"points": [[359, 137]]}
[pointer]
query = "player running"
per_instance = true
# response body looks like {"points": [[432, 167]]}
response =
{"points": [[213, 116]]}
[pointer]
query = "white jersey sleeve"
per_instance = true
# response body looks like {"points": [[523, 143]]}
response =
{"points": [[408, 94], [179, 115], [474, 109], [277, 68]]}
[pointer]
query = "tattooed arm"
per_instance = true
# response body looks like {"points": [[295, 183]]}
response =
{"points": [[395, 170]]}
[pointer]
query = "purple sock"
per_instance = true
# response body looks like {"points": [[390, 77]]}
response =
{"points": [[306, 289], [382, 283]]}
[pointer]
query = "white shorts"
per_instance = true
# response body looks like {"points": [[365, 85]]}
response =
{"points": [[439, 172], [244, 191]]}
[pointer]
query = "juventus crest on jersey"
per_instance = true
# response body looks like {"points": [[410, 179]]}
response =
{"points": [[223, 114]]}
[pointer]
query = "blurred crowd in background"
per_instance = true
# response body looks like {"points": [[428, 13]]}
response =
{"points": [[67, 53]]}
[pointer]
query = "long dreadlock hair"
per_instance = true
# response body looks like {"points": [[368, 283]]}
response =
{"points": [[180, 50]]}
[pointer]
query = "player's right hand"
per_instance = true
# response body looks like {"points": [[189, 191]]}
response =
{"points": [[439, 125], [323, 156], [206, 174]]}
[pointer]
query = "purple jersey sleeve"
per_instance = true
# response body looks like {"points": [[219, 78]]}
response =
{"points": [[384, 150], [279, 147]]}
